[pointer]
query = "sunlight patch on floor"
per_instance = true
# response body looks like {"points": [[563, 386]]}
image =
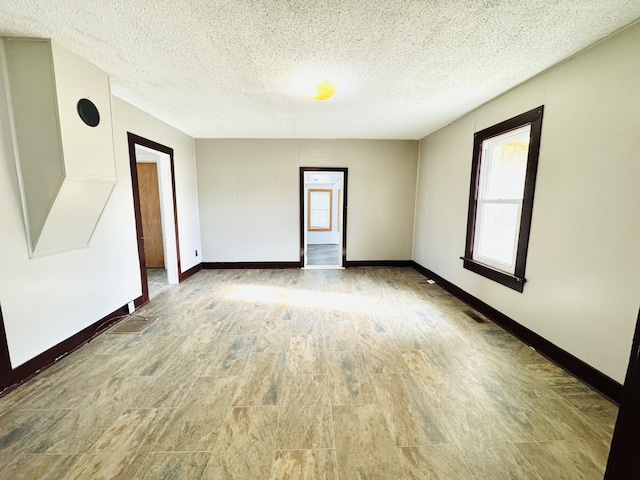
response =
{"points": [[302, 298]]}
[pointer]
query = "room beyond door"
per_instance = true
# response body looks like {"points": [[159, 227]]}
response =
{"points": [[151, 215], [163, 248], [323, 199]]}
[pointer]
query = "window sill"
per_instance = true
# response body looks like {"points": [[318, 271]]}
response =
{"points": [[503, 278]]}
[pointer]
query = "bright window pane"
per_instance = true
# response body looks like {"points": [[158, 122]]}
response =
{"points": [[320, 201], [504, 165], [497, 230], [503, 168]]}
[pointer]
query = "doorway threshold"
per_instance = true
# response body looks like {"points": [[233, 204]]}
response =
{"points": [[323, 267]]}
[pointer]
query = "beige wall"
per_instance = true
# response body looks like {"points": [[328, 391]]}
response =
{"points": [[48, 299], [249, 196], [583, 268]]}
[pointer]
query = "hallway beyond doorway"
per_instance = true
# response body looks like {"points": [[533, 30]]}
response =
{"points": [[323, 217], [157, 281], [323, 254]]}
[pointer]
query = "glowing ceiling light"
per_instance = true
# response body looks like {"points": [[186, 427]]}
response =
{"points": [[324, 91]]}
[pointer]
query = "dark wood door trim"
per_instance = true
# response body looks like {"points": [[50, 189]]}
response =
{"points": [[624, 462], [345, 171], [134, 140], [6, 372]]}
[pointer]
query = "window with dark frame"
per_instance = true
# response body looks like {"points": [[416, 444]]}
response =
{"points": [[503, 178]]}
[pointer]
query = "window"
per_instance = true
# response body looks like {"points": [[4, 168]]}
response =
{"points": [[503, 176], [320, 210]]}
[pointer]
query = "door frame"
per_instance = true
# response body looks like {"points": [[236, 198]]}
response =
{"points": [[623, 462], [345, 172], [134, 140], [6, 370]]}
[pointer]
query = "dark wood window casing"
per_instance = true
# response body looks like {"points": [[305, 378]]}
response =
{"points": [[517, 279]]}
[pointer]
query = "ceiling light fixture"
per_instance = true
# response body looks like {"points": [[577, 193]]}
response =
{"points": [[324, 91]]}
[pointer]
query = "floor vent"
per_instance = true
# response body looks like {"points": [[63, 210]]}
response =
{"points": [[476, 317], [133, 324]]}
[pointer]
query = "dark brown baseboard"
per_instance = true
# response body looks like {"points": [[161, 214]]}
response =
{"points": [[31, 368], [248, 265], [267, 265], [192, 271], [139, 302], [597, 380], [379, 263]]}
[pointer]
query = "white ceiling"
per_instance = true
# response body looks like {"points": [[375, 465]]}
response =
{"points": [[235, 68], [322, 178]]}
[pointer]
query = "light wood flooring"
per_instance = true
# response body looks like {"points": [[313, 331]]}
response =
{"points": [[323, 254], [157, 280], [305, 374]]}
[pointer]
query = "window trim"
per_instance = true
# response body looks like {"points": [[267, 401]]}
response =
{"points": [[516, 280], [310, 227]]}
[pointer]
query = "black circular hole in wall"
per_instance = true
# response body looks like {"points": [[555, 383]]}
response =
{"points": [[88, 112]]}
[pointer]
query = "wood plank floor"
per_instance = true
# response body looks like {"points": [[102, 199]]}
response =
{"points": [[323, 254], [305, 374], [156, 280]]}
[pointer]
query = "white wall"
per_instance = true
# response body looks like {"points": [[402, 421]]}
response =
{"points": [[249, 196], [46, 300], [583, 268]]}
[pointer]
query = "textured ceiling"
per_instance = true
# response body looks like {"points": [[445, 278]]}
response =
{"points": [[236, 68]]}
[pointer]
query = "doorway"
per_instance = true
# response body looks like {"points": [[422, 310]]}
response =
{"points": [[323, 212], [622, 462], [153, 182], [6, 370]]}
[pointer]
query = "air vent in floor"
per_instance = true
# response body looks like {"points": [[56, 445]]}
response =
{"points": [[133, 324], [475, 316]]}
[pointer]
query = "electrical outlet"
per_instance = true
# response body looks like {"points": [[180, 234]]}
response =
{"points": [[196, 253]]}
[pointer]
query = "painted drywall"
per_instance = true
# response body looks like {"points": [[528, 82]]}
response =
{"points": [[46, 300], [250, 202], [583, 283], [68, 174]]}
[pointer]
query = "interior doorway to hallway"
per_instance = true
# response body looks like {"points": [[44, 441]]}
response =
{"points": [[148, 163], [323, 207], [153, 183]]}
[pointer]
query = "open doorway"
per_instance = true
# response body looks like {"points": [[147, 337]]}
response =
{"points": [[323, 194], [153, 182], [6, 370]]}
